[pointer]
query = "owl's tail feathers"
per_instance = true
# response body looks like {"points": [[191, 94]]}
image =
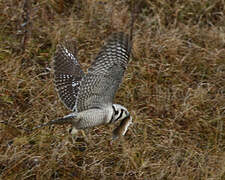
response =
{"points": [[60, 121]]}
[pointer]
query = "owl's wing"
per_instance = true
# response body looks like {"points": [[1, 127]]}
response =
{"points": [[67, 74], [100, 84]]}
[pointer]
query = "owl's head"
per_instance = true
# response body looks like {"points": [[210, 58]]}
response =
{"points": [[119, 113]]}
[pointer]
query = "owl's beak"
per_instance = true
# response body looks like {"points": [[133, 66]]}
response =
{"points": [[123, 127]]}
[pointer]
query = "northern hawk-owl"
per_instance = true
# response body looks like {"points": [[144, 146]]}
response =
{"points": [[90, 95]]}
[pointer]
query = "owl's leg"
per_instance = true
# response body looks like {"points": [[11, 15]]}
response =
{"points": [[73, 131], [78, 134]]}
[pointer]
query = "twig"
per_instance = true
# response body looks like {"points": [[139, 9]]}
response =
{"points": [[25, 23]]}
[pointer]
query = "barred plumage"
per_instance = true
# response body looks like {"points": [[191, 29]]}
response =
{"points": [[90, 96], [98, 87], [67, 74]]}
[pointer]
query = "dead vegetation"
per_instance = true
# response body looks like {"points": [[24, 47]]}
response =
{"points": [[174, 88]]}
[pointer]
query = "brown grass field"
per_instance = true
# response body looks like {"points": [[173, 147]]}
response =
{"points": [[174, 88]]}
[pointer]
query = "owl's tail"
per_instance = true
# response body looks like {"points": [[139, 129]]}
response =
{"points": [[60, 121]]}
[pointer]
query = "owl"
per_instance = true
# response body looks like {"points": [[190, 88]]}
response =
{"points": [[90, 95]]}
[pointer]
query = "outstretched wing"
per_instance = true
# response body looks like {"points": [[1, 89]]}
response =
{"points": [[100, 84], [67, 74]]}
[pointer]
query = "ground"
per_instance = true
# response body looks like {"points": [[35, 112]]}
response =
{"points": [[174, 88]]}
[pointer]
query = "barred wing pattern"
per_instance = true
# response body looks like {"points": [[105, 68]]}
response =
{"points": [[104, 76], [116, 51], [67, 74]]}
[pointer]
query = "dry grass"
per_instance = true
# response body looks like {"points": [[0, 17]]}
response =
{"points": [[174, 88]]}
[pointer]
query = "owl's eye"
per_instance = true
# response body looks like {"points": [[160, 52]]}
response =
{"points": [[116, 112]]}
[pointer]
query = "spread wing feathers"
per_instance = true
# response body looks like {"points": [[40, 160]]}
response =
{"points": [[104, 76], [115, 51], [67, 74]]}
